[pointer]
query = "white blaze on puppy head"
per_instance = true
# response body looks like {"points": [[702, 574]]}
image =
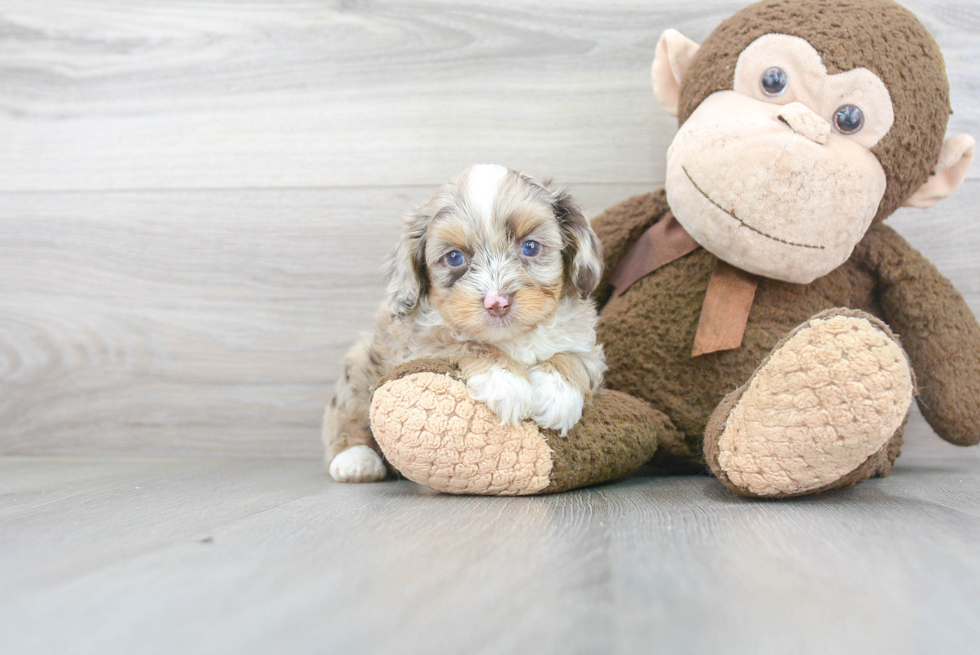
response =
{"points": [[481, 188]]}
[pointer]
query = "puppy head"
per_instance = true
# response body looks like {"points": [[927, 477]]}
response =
{"points": [[494, 252]]}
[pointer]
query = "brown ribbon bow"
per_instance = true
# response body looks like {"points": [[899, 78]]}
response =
{"points": [[727, 302]]}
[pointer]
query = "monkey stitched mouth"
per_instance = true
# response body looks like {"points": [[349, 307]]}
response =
{"points": [[743, 223]]}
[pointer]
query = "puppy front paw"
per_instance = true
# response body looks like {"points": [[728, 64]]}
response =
{"points": [[507, 395], [357, 464], [557, 403]]}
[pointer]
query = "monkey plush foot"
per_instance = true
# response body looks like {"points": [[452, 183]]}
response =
{"points": [[817, 414], [432, 432]]}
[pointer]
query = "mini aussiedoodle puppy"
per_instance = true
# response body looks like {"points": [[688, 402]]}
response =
{"points": [[494, 274]]}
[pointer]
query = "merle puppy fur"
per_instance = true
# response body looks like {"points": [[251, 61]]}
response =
{"points": [[494, 275]]}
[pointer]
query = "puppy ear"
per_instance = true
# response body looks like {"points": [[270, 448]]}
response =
{"points": [[582, 250], [404, 269]]}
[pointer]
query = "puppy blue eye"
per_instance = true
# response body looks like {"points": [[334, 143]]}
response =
{"points": [[455, 258], [530, 248]]}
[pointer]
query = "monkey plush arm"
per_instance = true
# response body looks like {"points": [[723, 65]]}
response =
{"points": [[936, 327], [620, 226]]}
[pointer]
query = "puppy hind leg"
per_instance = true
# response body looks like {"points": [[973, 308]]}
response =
{"points": [[351, 453]]}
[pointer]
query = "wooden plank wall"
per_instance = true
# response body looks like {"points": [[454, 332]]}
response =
{"points": [[195, 197]]}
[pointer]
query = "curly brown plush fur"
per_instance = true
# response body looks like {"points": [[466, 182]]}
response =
{"points": [[879, 35], [649, 330]]}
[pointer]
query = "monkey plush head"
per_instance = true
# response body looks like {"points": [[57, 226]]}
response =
{"points": [[802, 122]]}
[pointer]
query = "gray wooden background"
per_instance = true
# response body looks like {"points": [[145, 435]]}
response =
{"points": [[195, 196]]}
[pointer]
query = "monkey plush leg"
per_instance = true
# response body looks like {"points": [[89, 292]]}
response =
{"points": [[823, 411], [435, 434]]}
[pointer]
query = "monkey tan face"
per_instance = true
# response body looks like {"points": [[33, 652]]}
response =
{"points": [[776, 176]]}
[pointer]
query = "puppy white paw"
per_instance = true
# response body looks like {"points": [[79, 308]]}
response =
{"points": [[357, 464], [557, 403], [507, 395]]}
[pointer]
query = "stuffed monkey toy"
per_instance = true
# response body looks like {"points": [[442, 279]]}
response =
{"points": [[759, 319]]}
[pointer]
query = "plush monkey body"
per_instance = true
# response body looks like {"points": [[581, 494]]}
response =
{"points": [[803, 125], [648, 331]]}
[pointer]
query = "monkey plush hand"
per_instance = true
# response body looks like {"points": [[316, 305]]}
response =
{"points": [[749, 307]]}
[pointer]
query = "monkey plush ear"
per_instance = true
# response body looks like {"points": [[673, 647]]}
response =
{"points": [[675, 52], [954, 161]]}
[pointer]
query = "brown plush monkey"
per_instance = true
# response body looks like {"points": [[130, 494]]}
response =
{"points": [[747, 306]]}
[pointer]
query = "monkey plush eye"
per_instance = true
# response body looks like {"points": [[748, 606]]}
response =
{"points": [[848, 119], [530, 248], [455, 258], [774, 82]]}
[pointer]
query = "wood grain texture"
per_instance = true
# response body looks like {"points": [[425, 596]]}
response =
{"points": [[220, 94], [195, 197], [243, 556], [186, 322], [212, 322]]}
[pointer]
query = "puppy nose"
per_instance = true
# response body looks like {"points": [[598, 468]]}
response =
{"points": [[497, 304], [805, 122]]}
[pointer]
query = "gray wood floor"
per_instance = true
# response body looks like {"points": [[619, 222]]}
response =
{"points": [[265, 556], [195, 198]]}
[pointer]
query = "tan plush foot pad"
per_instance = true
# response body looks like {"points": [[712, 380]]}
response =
{"points": [[827, 399], [432, 431]]}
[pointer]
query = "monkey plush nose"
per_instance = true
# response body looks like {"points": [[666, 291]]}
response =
{"points": [[497, 304], [805, 122]]}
